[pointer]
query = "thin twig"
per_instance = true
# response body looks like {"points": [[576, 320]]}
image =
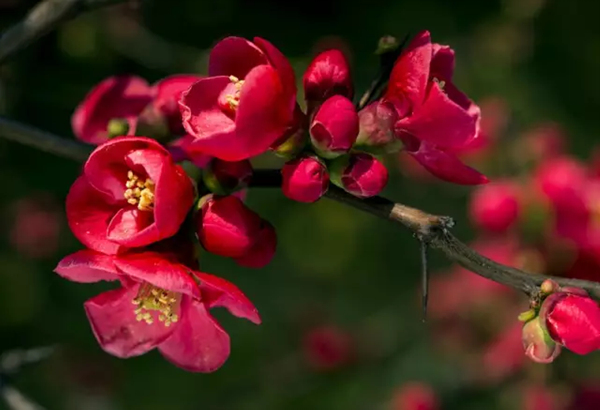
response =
{"points": [[41, 19], [432, 229]]}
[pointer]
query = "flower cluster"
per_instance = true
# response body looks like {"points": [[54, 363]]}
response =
{"points": [[139, 212]]}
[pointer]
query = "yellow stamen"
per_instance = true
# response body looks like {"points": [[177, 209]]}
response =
{"points": [[138, 192], [151, 298], [441, 83]]}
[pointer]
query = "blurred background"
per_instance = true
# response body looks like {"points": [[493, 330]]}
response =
{"points": [[340, 302]]}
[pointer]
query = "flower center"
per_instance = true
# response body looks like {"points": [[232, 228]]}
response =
{"points": [[439, 82], [140, 193], [230, 96], [150, 299]]}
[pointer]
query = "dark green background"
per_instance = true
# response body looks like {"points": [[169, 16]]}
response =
{"points": [[334, 265]]}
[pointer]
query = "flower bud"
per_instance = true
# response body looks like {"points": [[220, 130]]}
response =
{"points": [[227, 227], [572, 320], [387, 44], [549, 286], [117, 127], [328, 74], [263, 249], [538, 345], [305, 179], [226, 177], [376, 129], [334, 128], [360, 174], [495, 207]]}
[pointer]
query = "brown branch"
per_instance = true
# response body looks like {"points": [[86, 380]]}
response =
{"points": [[434, 230], [42, 19]]}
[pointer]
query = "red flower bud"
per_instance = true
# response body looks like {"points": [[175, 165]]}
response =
{"points": [[538, 345], [360, 174], [573, 321], [225, 177], [263, 250], [227, 227], [495, 207], [328, 74], [334, 128], [376, 134], [305, 179]]}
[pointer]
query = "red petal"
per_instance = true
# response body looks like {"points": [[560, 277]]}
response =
{"points": [[199, 343], [234, 56], [411, 71], [442, 62], [447, 167], [111, 315], [574, 321], [168, 93], [115, 97], [202, 117], [133, 228], [284, 69], [87, 266], [173, 198], [262, 251], [440, 121], [154, 268], [106, 168], [89, 214], [218, 292]]}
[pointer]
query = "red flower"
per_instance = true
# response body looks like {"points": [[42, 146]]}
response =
{"points": [[496, 207], [335, 127], [328, 347], [327, 75], [360, 174], [115, 98], [168, 93], [161, 304], [305, 179], [246, 105], [436, 120], [415, 396], [573, 320], [131, 194]]}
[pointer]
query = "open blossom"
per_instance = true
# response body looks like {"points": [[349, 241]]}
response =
{"points": [[160, 304], [572, 320], [119, 105], [246, 104], [435, 120], [120, 98], [131, 194]]}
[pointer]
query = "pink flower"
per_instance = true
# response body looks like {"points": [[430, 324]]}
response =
{"points": [[335, 127], [327, 348], [436, 120], [415, 396], [328, 74], [36, 226], [131, 194], [496, 207], [115, 98], [305, 179], [572, 320], [360, 174], [245, 105], [160, 304]]}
